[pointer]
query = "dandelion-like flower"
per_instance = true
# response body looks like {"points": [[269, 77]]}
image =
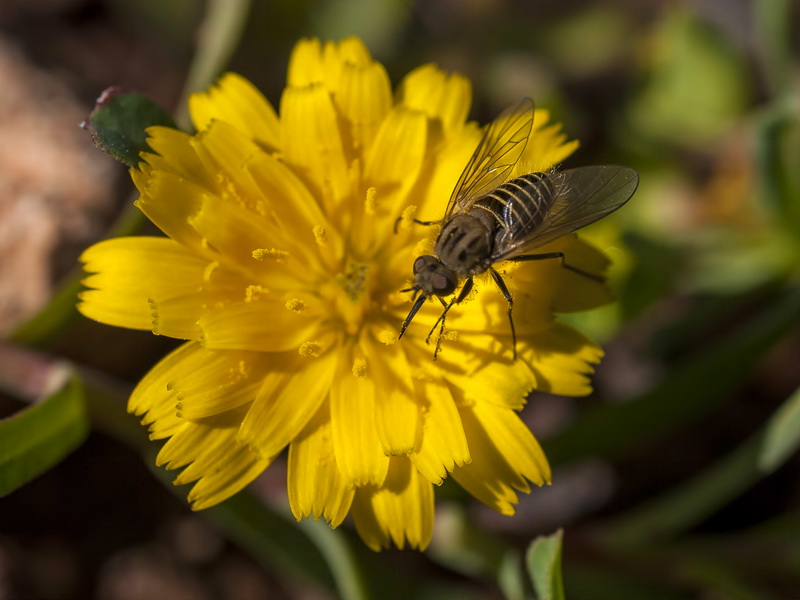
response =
{"points": [[282, 269]]}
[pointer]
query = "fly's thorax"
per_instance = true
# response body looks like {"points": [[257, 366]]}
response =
{"points": [[433, 278], [465, 244]]}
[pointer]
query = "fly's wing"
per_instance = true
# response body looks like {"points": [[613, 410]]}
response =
{"points": [[581, 196], [498, 151]]}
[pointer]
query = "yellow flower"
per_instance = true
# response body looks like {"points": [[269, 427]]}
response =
{"points": [[282, 270]]}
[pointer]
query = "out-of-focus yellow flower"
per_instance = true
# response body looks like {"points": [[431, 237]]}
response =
{"points": [[282, 271]]}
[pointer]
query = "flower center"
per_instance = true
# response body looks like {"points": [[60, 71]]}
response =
{"points": [[353, 279], [350, 294]]}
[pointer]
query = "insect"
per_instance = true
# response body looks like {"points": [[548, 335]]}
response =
{"points": [[490, 219]]}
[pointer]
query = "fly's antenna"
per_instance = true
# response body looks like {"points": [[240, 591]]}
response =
{"points": [[417, 221]]}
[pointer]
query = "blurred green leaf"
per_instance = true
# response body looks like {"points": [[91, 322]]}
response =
{"points": [[118, 126], [728, 262], [695, 82], [589, 40], [721, 580], [50, 320], [465, 548], [782, 438], [173, 22], [774, 27], [777, 139], [377, 23], [118, 123], [688, 504], [654, 274], [592, 583], [269, 537], [701, 383], [543, 560], [37, 438], [219, 36]]}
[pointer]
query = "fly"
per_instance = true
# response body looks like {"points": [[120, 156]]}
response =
{"points": [[490, 219]]}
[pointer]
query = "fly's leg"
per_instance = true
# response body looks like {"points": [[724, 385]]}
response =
{"points": [[507, 295], [441, 318], [465, 290], [560, 256]]}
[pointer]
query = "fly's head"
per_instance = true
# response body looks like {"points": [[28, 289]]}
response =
{"points": [[432, 278]]}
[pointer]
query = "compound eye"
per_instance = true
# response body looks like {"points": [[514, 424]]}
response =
{"points": [[442, 284], [423, 263], [439, 281]]}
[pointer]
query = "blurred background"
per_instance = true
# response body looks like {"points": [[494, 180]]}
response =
{"points": [[678, 478]]}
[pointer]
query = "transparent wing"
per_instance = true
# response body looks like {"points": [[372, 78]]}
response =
{"points": [[582, 196], [498, 151]]}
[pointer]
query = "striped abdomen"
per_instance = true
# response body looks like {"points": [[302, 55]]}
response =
{"points": [[520, 204], [467, 241]]}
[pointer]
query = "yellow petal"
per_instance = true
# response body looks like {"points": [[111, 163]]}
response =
{"points": [[186, 444], [314, 482], [364, 97], [397, 414], [312, 62], [504, 455], [350, 50], [222, 466], [485, 311], [123, 278], [224, 151], [154, 400], [562, 360], [174, 154], [221, 381], [555, 287], [359, 453], [177, 315], [263, 325], [489, 377], [443, 443], [168, 201], [295, 210], [400, 510], [225, 474], [305, 64], [547, 146], [436, 185], [237, 101], [286, 402], [441, 96], [233, 234], [312, 142], [396, 157]]}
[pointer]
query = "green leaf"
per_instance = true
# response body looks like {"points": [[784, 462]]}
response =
{"points": [[686, 505], [311, 550], [702, 383], [677, 105], [118, 123], [773, 25], [222, 29], [544, 566], [35, 439], [462, 546], [777, 143], [782, 437], [603, 583]]}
